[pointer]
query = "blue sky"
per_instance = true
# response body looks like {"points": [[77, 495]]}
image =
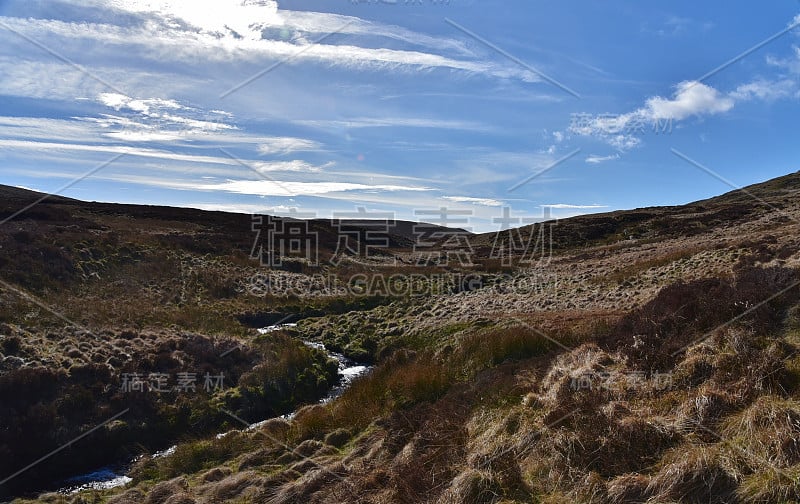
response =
{"points": [[321, 107]]}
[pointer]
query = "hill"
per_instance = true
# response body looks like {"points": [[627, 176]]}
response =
{"points": [[648, 355]]}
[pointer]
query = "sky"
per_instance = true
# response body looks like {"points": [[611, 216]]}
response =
{"points": [[319, 108]]}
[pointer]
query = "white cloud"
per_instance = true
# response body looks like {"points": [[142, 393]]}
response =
{"points": [[109, 130], [174, 42], [594, 159], [261, 166], [624, 142], [279, 188], [288, 166], [318, 22], [144, 106], [574, 207], [284, 145], [114, 149], [691, 99], [249, 20], [477, 201], [33, 128], [765, 90], [156, 119], [242, 208], [143, 136], [791, 64], [53, 80], [291, 188], [244, 19]]}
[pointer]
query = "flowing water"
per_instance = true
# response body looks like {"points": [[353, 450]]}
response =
{"points": [[115, 476]]}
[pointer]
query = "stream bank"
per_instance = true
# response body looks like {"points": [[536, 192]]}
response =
{"points": [[116, 475]]}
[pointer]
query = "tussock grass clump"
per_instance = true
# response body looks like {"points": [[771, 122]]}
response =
{"points": [[492, 447], [402, 381], [768, 432], [192, 457], [741, 362], [488, 348], [472, 486], [771, 485], [239, 485], [702, 410], [682, 313], [165, 490], [132, 496], [577, 379], [793, 319], [428, 447], [696, 474], [635, 269], [628, 488]]}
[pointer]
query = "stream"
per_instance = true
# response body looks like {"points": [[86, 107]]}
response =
{"points": [[113, 476]]}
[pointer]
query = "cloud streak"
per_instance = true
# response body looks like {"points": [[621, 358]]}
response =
{"points": [[177, 42], [593, 159], [574, 207], [476, 201]]}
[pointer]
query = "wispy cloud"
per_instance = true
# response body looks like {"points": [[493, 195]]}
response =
{"points": [[395, 122], [291, 188], [193, 160], [175, 41], [241, 208], [594, 159], [250, 20], [766, 90], [476, 201], [285, 145], [673, 26], [278, 187], [289, 166], [791, 64], [573, 207], [114, 149], [134, 130]]}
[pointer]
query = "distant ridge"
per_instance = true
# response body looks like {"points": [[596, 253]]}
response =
{"points": [[647, 222], [669, 221]]}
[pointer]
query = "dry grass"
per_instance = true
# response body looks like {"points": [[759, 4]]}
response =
{"points": [[770, 485], [464, 404], [633, 270], [695, 474], [767, 432]]}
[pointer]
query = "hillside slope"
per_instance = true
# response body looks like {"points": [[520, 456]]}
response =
{"points": [[651, 357]]}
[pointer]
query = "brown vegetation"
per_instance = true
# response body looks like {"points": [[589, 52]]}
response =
{"points": [[657, 363]]}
